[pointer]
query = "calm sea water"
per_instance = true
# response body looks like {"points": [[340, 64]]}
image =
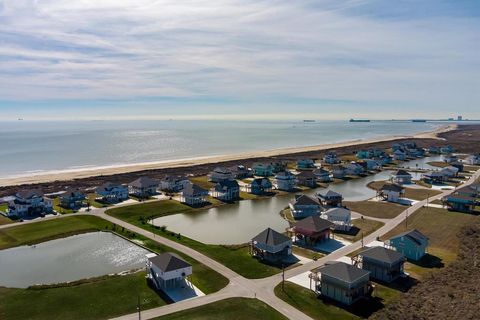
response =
{"points": [[27, 146]]}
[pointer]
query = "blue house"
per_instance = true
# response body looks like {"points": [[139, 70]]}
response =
{"points": [[262, 169], [364, 154], [413, 244]]}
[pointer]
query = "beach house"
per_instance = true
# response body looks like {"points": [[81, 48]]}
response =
{"points": [[460, 202], [271, 245], [167, 270], [322, 175], [72, 199], [262, 169], [330, 198], [354, 169], [340, 217], [304, 206], [341, 282], [450, 158], [219, 174], [399, 155], [384, 264], [339, 172], [391, 192], [446, 149], [372, 164], [305, 164], [450, 171], [285, 181], [27, 203], [172, 183], [473, 160], [412, 244], [311, 230], [278, 166], [241, 172], [307, 179], [193, 195], [364, 154], [401, 177], [433, 150], [331, 158], [226, 190], [143, 187], [260, 186], [112, 192], [435, 177]]}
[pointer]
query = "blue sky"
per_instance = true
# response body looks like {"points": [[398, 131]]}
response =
{"points": [[243, 59]]}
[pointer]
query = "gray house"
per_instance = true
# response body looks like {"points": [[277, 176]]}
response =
{"points": [[260, 186], [271, 245], [341, 282], [226, 190], [193, 195], [72, 198], [304, 206], [143, 187], [384, 264]]}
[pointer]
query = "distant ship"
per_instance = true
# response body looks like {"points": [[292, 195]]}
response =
{"points": [[419, 120], [359, 120], [308, 120]]}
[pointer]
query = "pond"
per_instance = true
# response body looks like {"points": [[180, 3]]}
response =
{"points": [[422, 163], [238, 223], [69, 259]]}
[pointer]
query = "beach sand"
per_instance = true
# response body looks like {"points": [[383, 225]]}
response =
{"points": [[65, 175]]}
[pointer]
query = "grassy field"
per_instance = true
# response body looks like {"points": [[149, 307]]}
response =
{"points": [[441, 227], [3, 219], [384, 210], [92, 200], [361, 226], [307, 301], [202, 181], [236, 258], [99, 298], [232, 309]]}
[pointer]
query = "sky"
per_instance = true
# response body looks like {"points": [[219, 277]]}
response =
{"points": [[323, 59]]}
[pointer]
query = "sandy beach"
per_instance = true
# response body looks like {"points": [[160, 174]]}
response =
{"points": [[65, 175]]}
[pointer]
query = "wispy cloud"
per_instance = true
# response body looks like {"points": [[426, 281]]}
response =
{"points": [[369, 53]]}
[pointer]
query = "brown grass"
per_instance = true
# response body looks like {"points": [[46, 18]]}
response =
{"points": [[384, 210]]}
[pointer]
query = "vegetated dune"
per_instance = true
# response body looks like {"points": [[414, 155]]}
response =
{"points": [[453, 293]]}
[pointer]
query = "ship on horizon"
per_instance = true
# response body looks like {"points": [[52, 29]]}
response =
{"points": [[359, 120]]}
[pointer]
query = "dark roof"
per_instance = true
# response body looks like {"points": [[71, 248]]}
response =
{"points": [[259, 181], [144, 182], [392, 187], [314, 223], [342, 271], [305, 200], [169, 262], [402, 173], [461, 197], [226, 184], [329, 194], [192, 189], [270, 237], [321, 171], [29, 193], [415, 235], [222, 170], [306, 175], [382, 254]]}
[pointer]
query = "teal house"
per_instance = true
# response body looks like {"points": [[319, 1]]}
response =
{"points": [[363, 154], [413, 244], [262, 169]]}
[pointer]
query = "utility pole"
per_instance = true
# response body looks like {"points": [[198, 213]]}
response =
{"points": [[362, 239], [138, 307], [283, 277]]}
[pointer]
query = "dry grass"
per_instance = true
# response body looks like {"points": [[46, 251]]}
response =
{"points": [[361, 227], [383, 210]]}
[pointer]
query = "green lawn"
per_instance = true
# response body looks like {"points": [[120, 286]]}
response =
{"points": [[100, 298], [306, 301], [3, 219], [60, 209], [384, 210], [231, 309], [361, 226], [94, 203], [202, 181], [236, 258]]}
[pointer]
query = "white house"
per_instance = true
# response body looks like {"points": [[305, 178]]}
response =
{"points": [[354, 169], [167, 270], [391, 192], [304, 206], [340, 217], [226, 190], [285, 180], [322, 175], [399, 155], [173, 183], [331, 158], [193, 195], [29, 203], [473, 160], [143, 187], [219, 174], [449, 171], [112, 192], [401, 177]]}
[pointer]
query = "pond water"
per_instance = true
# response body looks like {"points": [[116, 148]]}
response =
{"points": [[422, 163], [240, 222], [69, 259]]}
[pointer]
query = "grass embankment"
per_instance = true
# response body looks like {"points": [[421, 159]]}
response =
{"points": [[441, 227], [383, 210], [307, 301], [236, 258], [232, 309], [361, 227], [92, 298]]}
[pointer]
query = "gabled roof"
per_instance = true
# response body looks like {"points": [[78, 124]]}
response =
{"points": [[70, 193], [329, 194], [306, 175], [414, 235], [342, 271], [270, 237], [382, 254], [392, 187], [314, 224], [285, 173], [191, 189], [402, 173], [29, 193], [305, 200], [260, 181], [169, 261], [144, 182], [321, 171], [339, 211], [226, 184], [222, 170]]}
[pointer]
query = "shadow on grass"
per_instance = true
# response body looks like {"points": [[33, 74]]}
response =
{"points": [[352, 232], [429, 261]]}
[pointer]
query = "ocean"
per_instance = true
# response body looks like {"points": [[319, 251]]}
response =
{"points": [[28, 147]]}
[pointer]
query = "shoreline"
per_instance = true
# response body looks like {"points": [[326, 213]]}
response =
{"points": [[89, 172]]}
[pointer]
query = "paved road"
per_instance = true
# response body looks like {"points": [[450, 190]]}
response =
{"points": [[239, 286]]}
